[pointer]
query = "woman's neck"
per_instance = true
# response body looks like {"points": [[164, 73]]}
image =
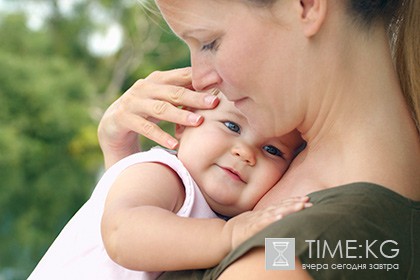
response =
{"points": [[359, 129], [363, 127], [376, 145]]}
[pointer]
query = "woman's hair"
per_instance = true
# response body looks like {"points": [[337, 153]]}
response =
{"points": [[402, 19], [407, 53]]}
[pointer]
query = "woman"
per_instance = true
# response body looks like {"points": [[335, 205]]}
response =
{"points": [[325, 68]]}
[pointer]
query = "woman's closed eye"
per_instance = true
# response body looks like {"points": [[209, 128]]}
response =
{"points": [[210, 47], [232, 126], [273, 151]]}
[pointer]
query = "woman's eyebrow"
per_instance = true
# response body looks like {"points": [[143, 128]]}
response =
{"points": [[190, 32]]}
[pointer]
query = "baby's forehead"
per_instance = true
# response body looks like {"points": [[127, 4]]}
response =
{"points": [[227, 107]]}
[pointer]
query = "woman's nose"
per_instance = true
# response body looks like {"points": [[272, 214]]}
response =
{"points": [[204, 76], [245, 153]]}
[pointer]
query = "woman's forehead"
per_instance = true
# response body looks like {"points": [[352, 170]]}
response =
{"points": [[192, 14]]}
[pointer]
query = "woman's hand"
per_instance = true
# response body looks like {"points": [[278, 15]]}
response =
{"points": [[142, 106], [241, 227]]}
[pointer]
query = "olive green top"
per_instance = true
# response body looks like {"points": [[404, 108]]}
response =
{"points": [[355, 231]]}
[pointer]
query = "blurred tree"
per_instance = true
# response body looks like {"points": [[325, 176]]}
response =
{"points": [[43, 182], [53, 91]]}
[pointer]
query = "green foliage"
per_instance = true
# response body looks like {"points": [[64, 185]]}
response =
{"points": [[42, 182], [52, 94]]}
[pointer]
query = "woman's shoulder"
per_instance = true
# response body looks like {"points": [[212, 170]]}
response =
{"points": [[353, 211], [360, 225], [360, 190], [355, 231]]}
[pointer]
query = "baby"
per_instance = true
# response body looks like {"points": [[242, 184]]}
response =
{"points": [[157, 211]]}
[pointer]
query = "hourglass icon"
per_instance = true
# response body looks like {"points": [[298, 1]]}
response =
{"points": [[280, 247]]}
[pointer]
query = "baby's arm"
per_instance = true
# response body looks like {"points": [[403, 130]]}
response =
{"points": [[141, 231]]}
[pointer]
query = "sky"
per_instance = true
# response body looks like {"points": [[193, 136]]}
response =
{"points": [[102, 43]]}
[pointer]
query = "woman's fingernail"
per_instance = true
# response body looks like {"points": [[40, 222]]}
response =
{"points": [[194, 118], [210, 99], [172, 143]]}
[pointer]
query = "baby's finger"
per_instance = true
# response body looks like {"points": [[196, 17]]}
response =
{"points": [[295, 199], [288, 209], [263, 219]]}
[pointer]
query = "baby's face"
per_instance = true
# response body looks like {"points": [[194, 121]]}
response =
{"points": [[233, 165]]}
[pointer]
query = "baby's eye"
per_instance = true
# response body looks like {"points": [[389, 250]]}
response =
{"points": [[273, 151], [232, 126]]}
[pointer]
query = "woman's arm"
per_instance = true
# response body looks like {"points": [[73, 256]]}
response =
{"points": [[148, 101]]}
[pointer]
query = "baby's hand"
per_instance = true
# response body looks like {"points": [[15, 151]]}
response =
{"points": [[247, 224]]}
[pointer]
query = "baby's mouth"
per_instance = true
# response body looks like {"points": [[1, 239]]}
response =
{"points": [[232, 173]]}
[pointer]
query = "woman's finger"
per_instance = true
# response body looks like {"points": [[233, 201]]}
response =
{"points": [[143, 105], [163, 111], [154, 133], [178, 77], [176, 95], [131, 119]]}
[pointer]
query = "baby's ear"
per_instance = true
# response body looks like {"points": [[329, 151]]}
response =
{"points": [[179, 130]]}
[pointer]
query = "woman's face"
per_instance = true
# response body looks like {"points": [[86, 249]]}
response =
{"points": [[248, 52]]}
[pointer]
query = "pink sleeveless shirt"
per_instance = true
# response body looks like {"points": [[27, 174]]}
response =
{"points": [[78, 251]]}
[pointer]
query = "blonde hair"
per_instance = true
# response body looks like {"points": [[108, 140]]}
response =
{"points": [[407, 54]]}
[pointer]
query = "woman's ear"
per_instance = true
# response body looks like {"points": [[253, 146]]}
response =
{"points": [[313, 13]]}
